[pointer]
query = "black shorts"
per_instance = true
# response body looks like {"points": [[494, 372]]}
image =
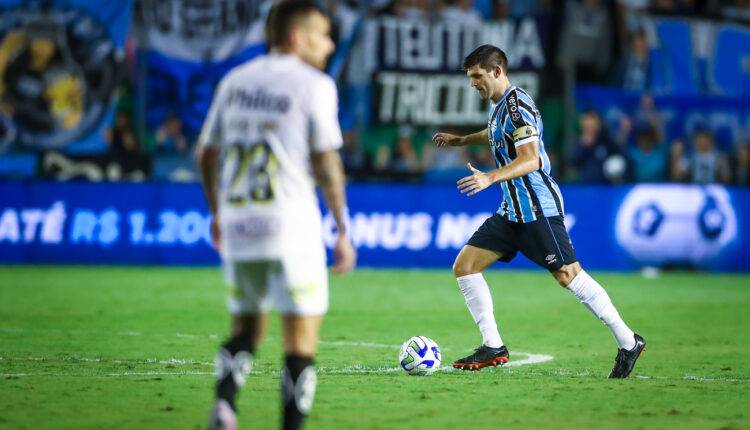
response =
{"points": [[544, 241]]}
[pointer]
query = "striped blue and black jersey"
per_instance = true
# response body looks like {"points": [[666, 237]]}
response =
{"points": [[515, 121]]}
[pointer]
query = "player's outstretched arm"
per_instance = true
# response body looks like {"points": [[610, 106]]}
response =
{"points": [[329, 173], [208, 163], [527, 161], [447, 139]]}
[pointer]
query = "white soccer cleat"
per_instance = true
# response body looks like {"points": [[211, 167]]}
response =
{"points": [[222, 417]]}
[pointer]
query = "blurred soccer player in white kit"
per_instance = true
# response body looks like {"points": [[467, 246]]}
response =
{"points": [[272, 132]]}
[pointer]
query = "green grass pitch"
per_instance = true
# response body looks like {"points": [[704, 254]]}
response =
{"points": [[132, 348]]}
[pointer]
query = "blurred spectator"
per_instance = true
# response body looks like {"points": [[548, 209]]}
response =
{"points": [[436, 159], [411, 9], [125, 149], [396, 156], [738, 10], [631, 16], [742, 164], [504, 9], [595, 158], [170, 137], [678, 161], [632, 71], [460, 12], [355, 158], [674, 7], [482, 159], [649, 157], [704, 165], [586, 39], [648, 115], [645, 117], [635, 5], [122, 138], [446, 165], [623, 135], [404, 157]]}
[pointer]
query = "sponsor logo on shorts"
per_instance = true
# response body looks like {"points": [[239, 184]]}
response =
{"points": [[550, 259]]}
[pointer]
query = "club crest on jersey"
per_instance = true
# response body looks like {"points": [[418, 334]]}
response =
{"points": [[495, 143], [492, 125]]}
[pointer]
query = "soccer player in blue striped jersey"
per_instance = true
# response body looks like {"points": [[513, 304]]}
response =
{"points": [[530, 218]]}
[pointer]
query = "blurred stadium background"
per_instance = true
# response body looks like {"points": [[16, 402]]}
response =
{"points": [[646, 107]]}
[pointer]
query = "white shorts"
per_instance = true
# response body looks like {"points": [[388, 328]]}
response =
{"points": [[296, 286]]}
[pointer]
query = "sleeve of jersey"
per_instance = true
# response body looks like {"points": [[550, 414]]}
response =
{"points": [[523, 123], [211, 130], [324, 109]]}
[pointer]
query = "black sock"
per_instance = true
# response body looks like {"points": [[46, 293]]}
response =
{"points": [[232, 365], [298, 381]]}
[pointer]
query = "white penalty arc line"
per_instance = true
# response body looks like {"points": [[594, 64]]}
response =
{"points": [[531, 359]]}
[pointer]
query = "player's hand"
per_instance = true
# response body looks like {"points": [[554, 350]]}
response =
{"points": [[475, 183], [344, 255], [446, 139], [215, 232]]}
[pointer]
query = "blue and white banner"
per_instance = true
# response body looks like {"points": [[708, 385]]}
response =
{"points": [[59, 65], [612, 228], [698, 56], [190, 46]]}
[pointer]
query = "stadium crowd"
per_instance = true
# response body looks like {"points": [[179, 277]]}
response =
{"points": [[635, 150], [632, 148]]}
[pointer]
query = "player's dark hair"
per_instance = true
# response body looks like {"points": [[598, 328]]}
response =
{"points": [[487, 56], [282, 16]]}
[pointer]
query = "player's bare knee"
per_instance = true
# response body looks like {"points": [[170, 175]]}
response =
{"points": [[462, 268], [565, 274], [562, 277]]}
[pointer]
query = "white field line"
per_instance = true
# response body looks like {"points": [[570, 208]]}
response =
{"points": [[79, 359], [358, 369], [103, 375], [358, 344], [350, 370], [531, 359], [211, 336]]}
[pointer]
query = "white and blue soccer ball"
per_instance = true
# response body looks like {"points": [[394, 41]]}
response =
{"points": [[419, 355]]}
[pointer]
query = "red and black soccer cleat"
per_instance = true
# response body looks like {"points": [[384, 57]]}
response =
{"points": [[484, 356]]}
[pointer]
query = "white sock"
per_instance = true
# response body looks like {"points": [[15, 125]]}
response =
{"points": [[479, 302], [593, 296]]}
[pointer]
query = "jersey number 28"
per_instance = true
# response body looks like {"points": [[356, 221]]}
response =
{"points": [[253, 172]]}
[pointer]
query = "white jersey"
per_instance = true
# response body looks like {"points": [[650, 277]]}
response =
{"points": [[267, 117]]}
